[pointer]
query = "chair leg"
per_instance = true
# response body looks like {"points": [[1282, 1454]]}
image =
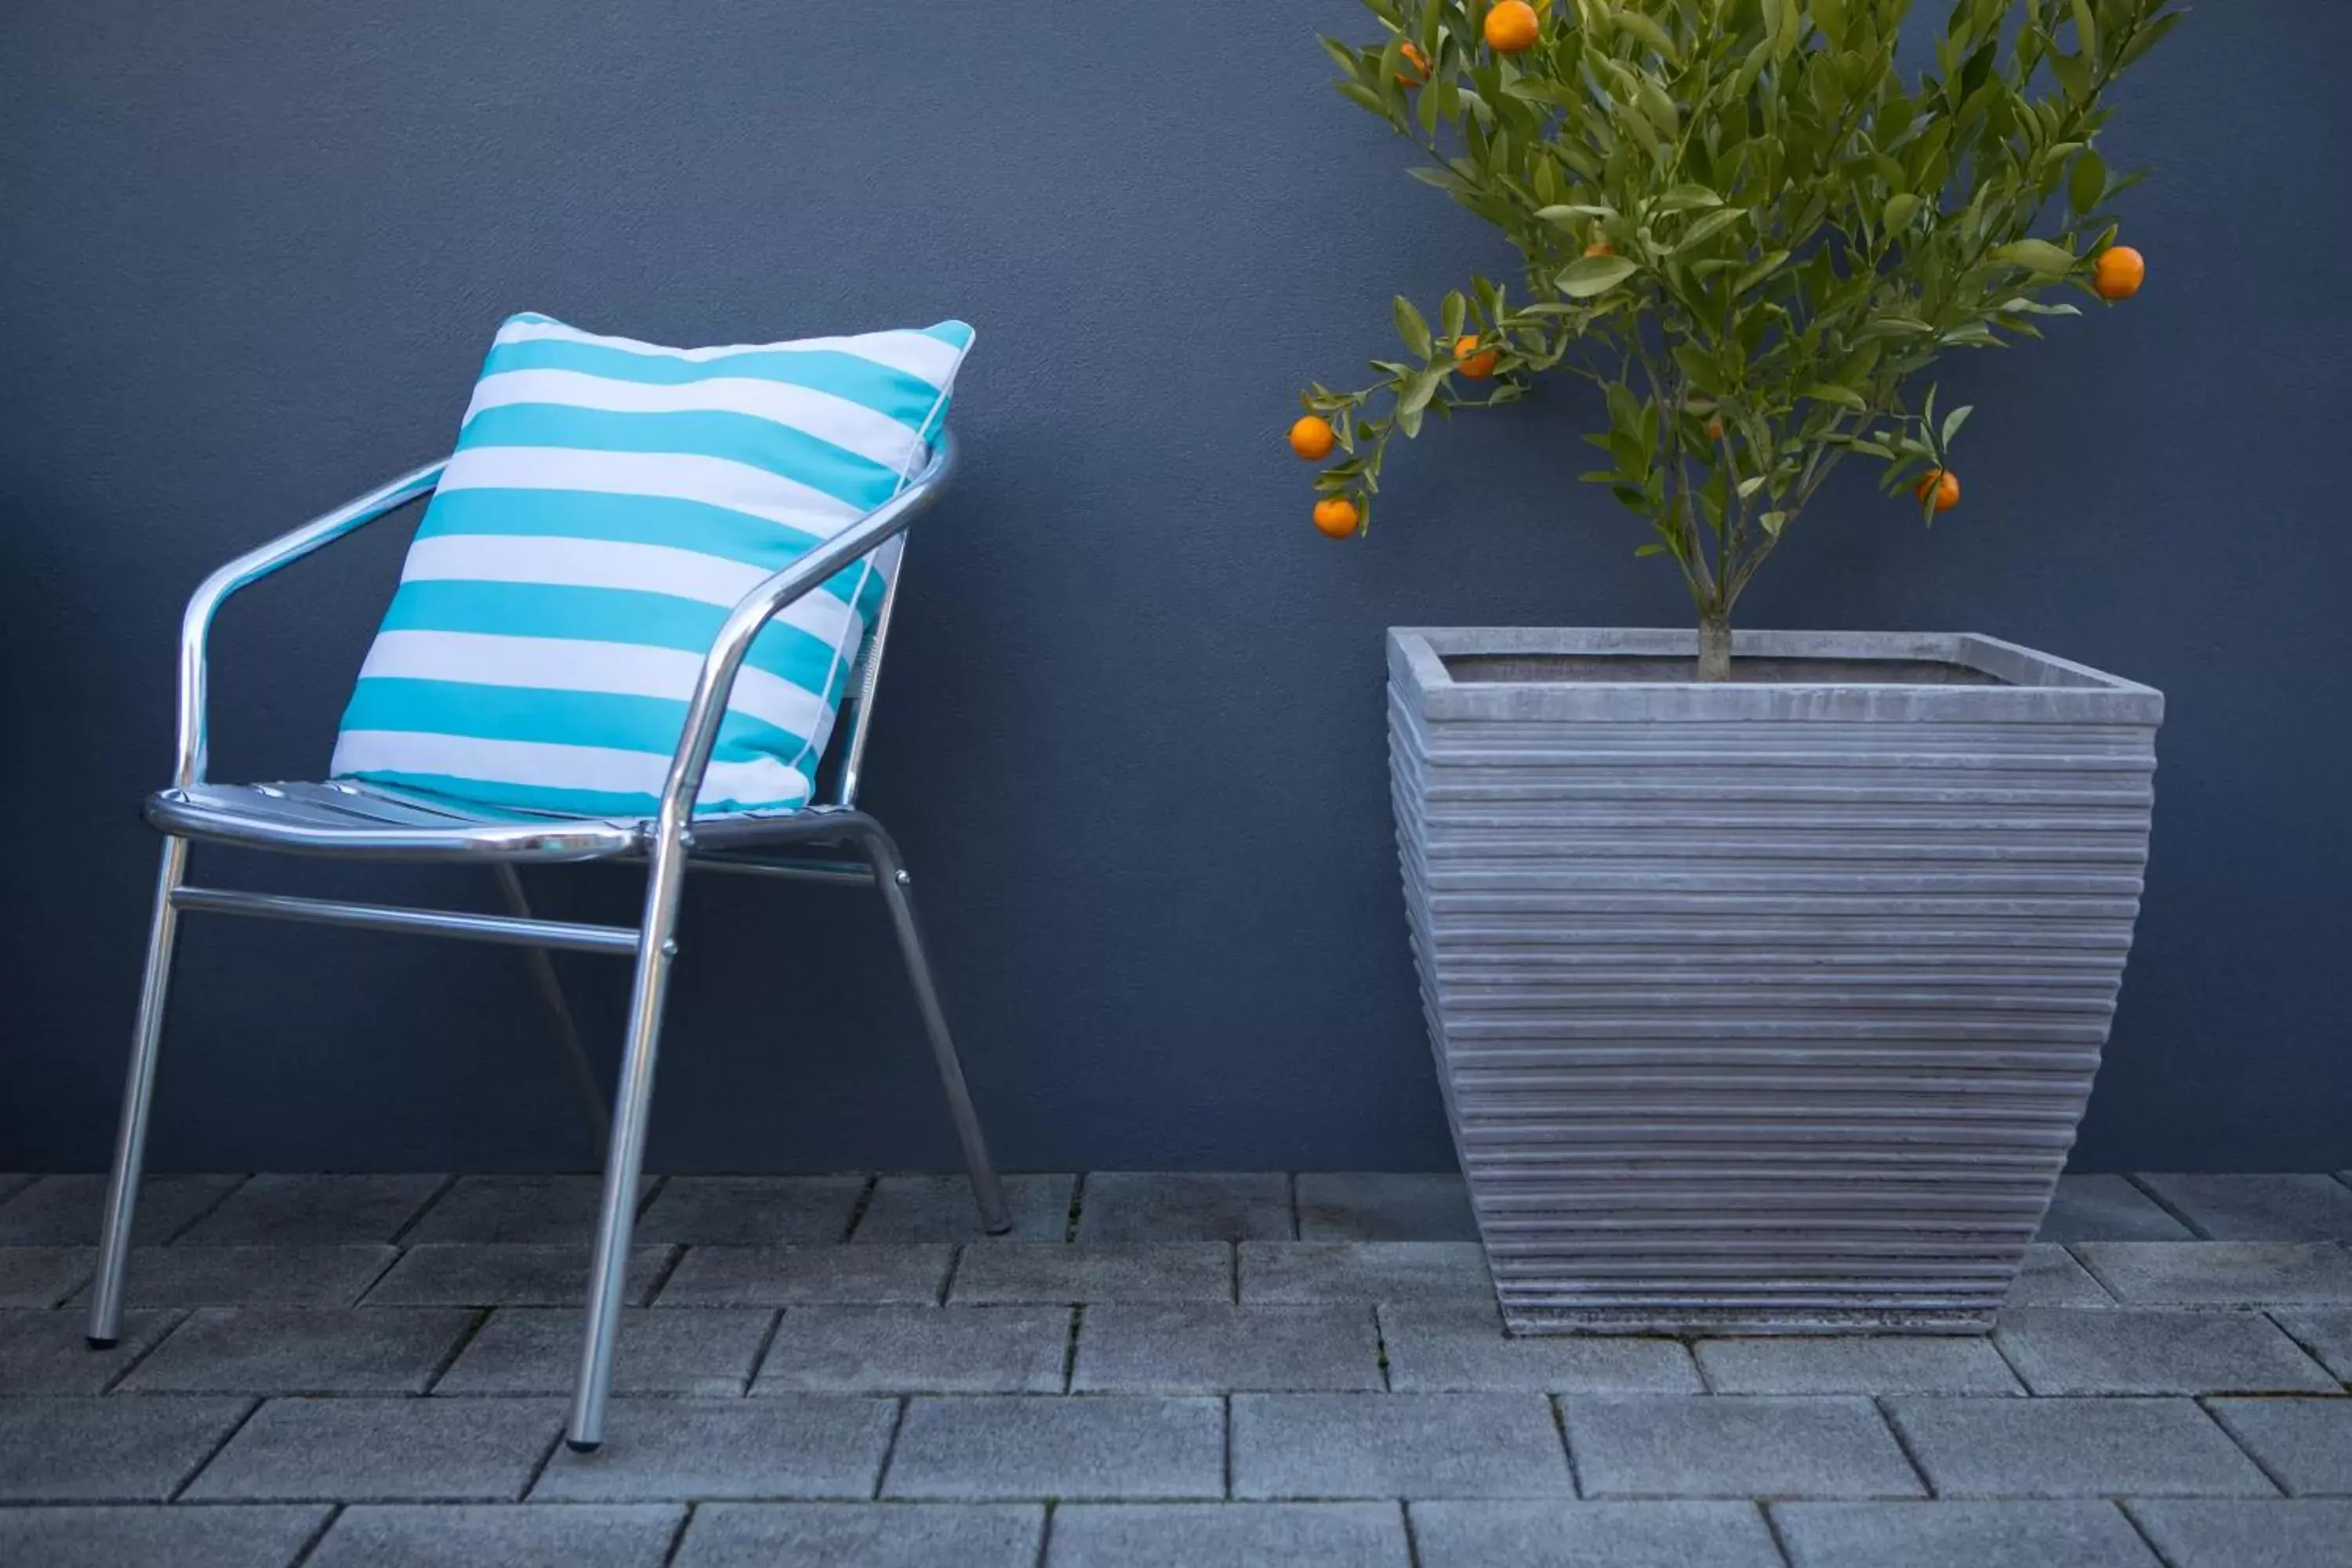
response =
{"points": [[891, 877], [550, 986], [138, 1096], [625, 1162]]}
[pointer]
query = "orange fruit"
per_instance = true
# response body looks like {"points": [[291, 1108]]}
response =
{"points": [[1944, 484], [1336, 516], [1312, 438], [1416, 67], [1715, 428], [1473, 362], [1601, 247], [1512, 28], [2120, 272]]}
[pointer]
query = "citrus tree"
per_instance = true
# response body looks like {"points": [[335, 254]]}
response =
{"points": [[1748, 229]]}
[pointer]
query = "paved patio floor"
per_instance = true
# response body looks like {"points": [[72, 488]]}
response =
{"points": [[1195, 1370]]}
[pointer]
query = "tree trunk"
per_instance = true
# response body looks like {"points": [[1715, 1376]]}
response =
{"points": [[1714, 650]]}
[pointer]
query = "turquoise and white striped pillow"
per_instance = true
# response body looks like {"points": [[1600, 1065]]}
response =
{"points": [[608, 503]]}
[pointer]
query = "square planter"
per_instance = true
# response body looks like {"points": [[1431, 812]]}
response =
{"points": [[1768, 1006]]}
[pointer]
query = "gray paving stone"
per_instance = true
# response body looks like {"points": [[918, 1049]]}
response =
{"points": [[862, 1535], [508, 1535], [101, 1537], [1202, 1347], [1861, 1363], [43, 1276], [814, 1445], [1099, 1447], [2217, 1534], [545, 1210], [383, 1450], [2325, 1332], [301, 1350], [1363, 1271], [69, 1211], [2260, 1208], [536, 1350], [2051, 1277], [108, 1450], [460, 1274], [1396, 1446], [280, 1210], [1229, 1535], [2107, 1208], [1005, 1271], [752, 1211], [2074, 1447], [1128, 1206], [14, 1182], [942, 1208], [1439, 1347], [1384, 1205], [2069, 1534], [253, 1275], [1594, 1535], [45, 1352], [1729, 1448], [2139, 1349], [808, 1276], [2305, 1443], [917, 1350], [2222, 1273]]}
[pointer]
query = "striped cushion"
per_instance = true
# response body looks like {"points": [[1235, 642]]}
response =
{"points": [[608, 503]]}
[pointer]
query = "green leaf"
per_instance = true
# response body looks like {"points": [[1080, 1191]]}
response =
{"points": [[2087, 186], [1954, 420], [2086, 30], [2037, 255], [1642, 27], [1652, 548], [1843, 397], [1901, 208], [1684, 198], [1707, 228], [1411, 328], [1591, 275], [1574, 214], [1774, 521]]}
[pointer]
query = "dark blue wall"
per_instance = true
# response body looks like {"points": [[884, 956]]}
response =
{"points": [[1133, 737]]}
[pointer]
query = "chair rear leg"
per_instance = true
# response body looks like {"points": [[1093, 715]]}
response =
{"points": [[550, 986], [138, 1096], [987, 1190]]}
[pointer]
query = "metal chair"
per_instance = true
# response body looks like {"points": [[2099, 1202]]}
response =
{"points": [[369, 822]]}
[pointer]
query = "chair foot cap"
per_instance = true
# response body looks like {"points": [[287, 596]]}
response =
{"points": [[99, 1344], [577, 1446]]}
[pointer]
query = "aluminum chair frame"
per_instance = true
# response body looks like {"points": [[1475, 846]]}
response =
{"points": [[306, 819]]}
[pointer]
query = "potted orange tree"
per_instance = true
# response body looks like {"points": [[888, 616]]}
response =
{"points": [[1768, 973]]}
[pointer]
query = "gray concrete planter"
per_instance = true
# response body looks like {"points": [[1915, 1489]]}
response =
{"points": [[1770, 1006]]}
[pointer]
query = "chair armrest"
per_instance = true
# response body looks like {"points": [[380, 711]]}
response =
{"points": [[757, 608], [196, 624]]}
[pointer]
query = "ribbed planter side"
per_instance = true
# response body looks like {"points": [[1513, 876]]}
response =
{"points": [[1764, 1006]]}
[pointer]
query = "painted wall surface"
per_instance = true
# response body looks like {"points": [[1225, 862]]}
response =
{"points": [[1132, 734]]}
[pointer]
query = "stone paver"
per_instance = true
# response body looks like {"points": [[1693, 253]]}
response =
{"points": [[377, 1535], [69, 1211], [2133, 1350], [1396, 1446], [280, 1210], [2051, 1277], [2222, 1273], [2107, 1208], [536, 1350], [253, 1275], [862, 1535], [517, 1211], [1215, 1348], [2059, 1534], [300, 1350], [808, 1276], [14, 1182], [1460, 1347], [1721, 1447], [1128, 1206], [1594, 1535], [2305, 1443], [1857, 1364], [116, 1449], [1229, 1535], [110, 1537], [461, 1274], [1363, 1271], [2260, 1208], [1098, 1447], [942, 1208], [752, 1211], [993, 1272], [45, 1352], [2074, 1447], [2226, 1535], [2325, 1332], [917, 1350], [383, 1450], [43, 1276], [1384, 1205], [813, 1446]]}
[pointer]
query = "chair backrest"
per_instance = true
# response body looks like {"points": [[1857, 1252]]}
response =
{"points": [[857, 699]]}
